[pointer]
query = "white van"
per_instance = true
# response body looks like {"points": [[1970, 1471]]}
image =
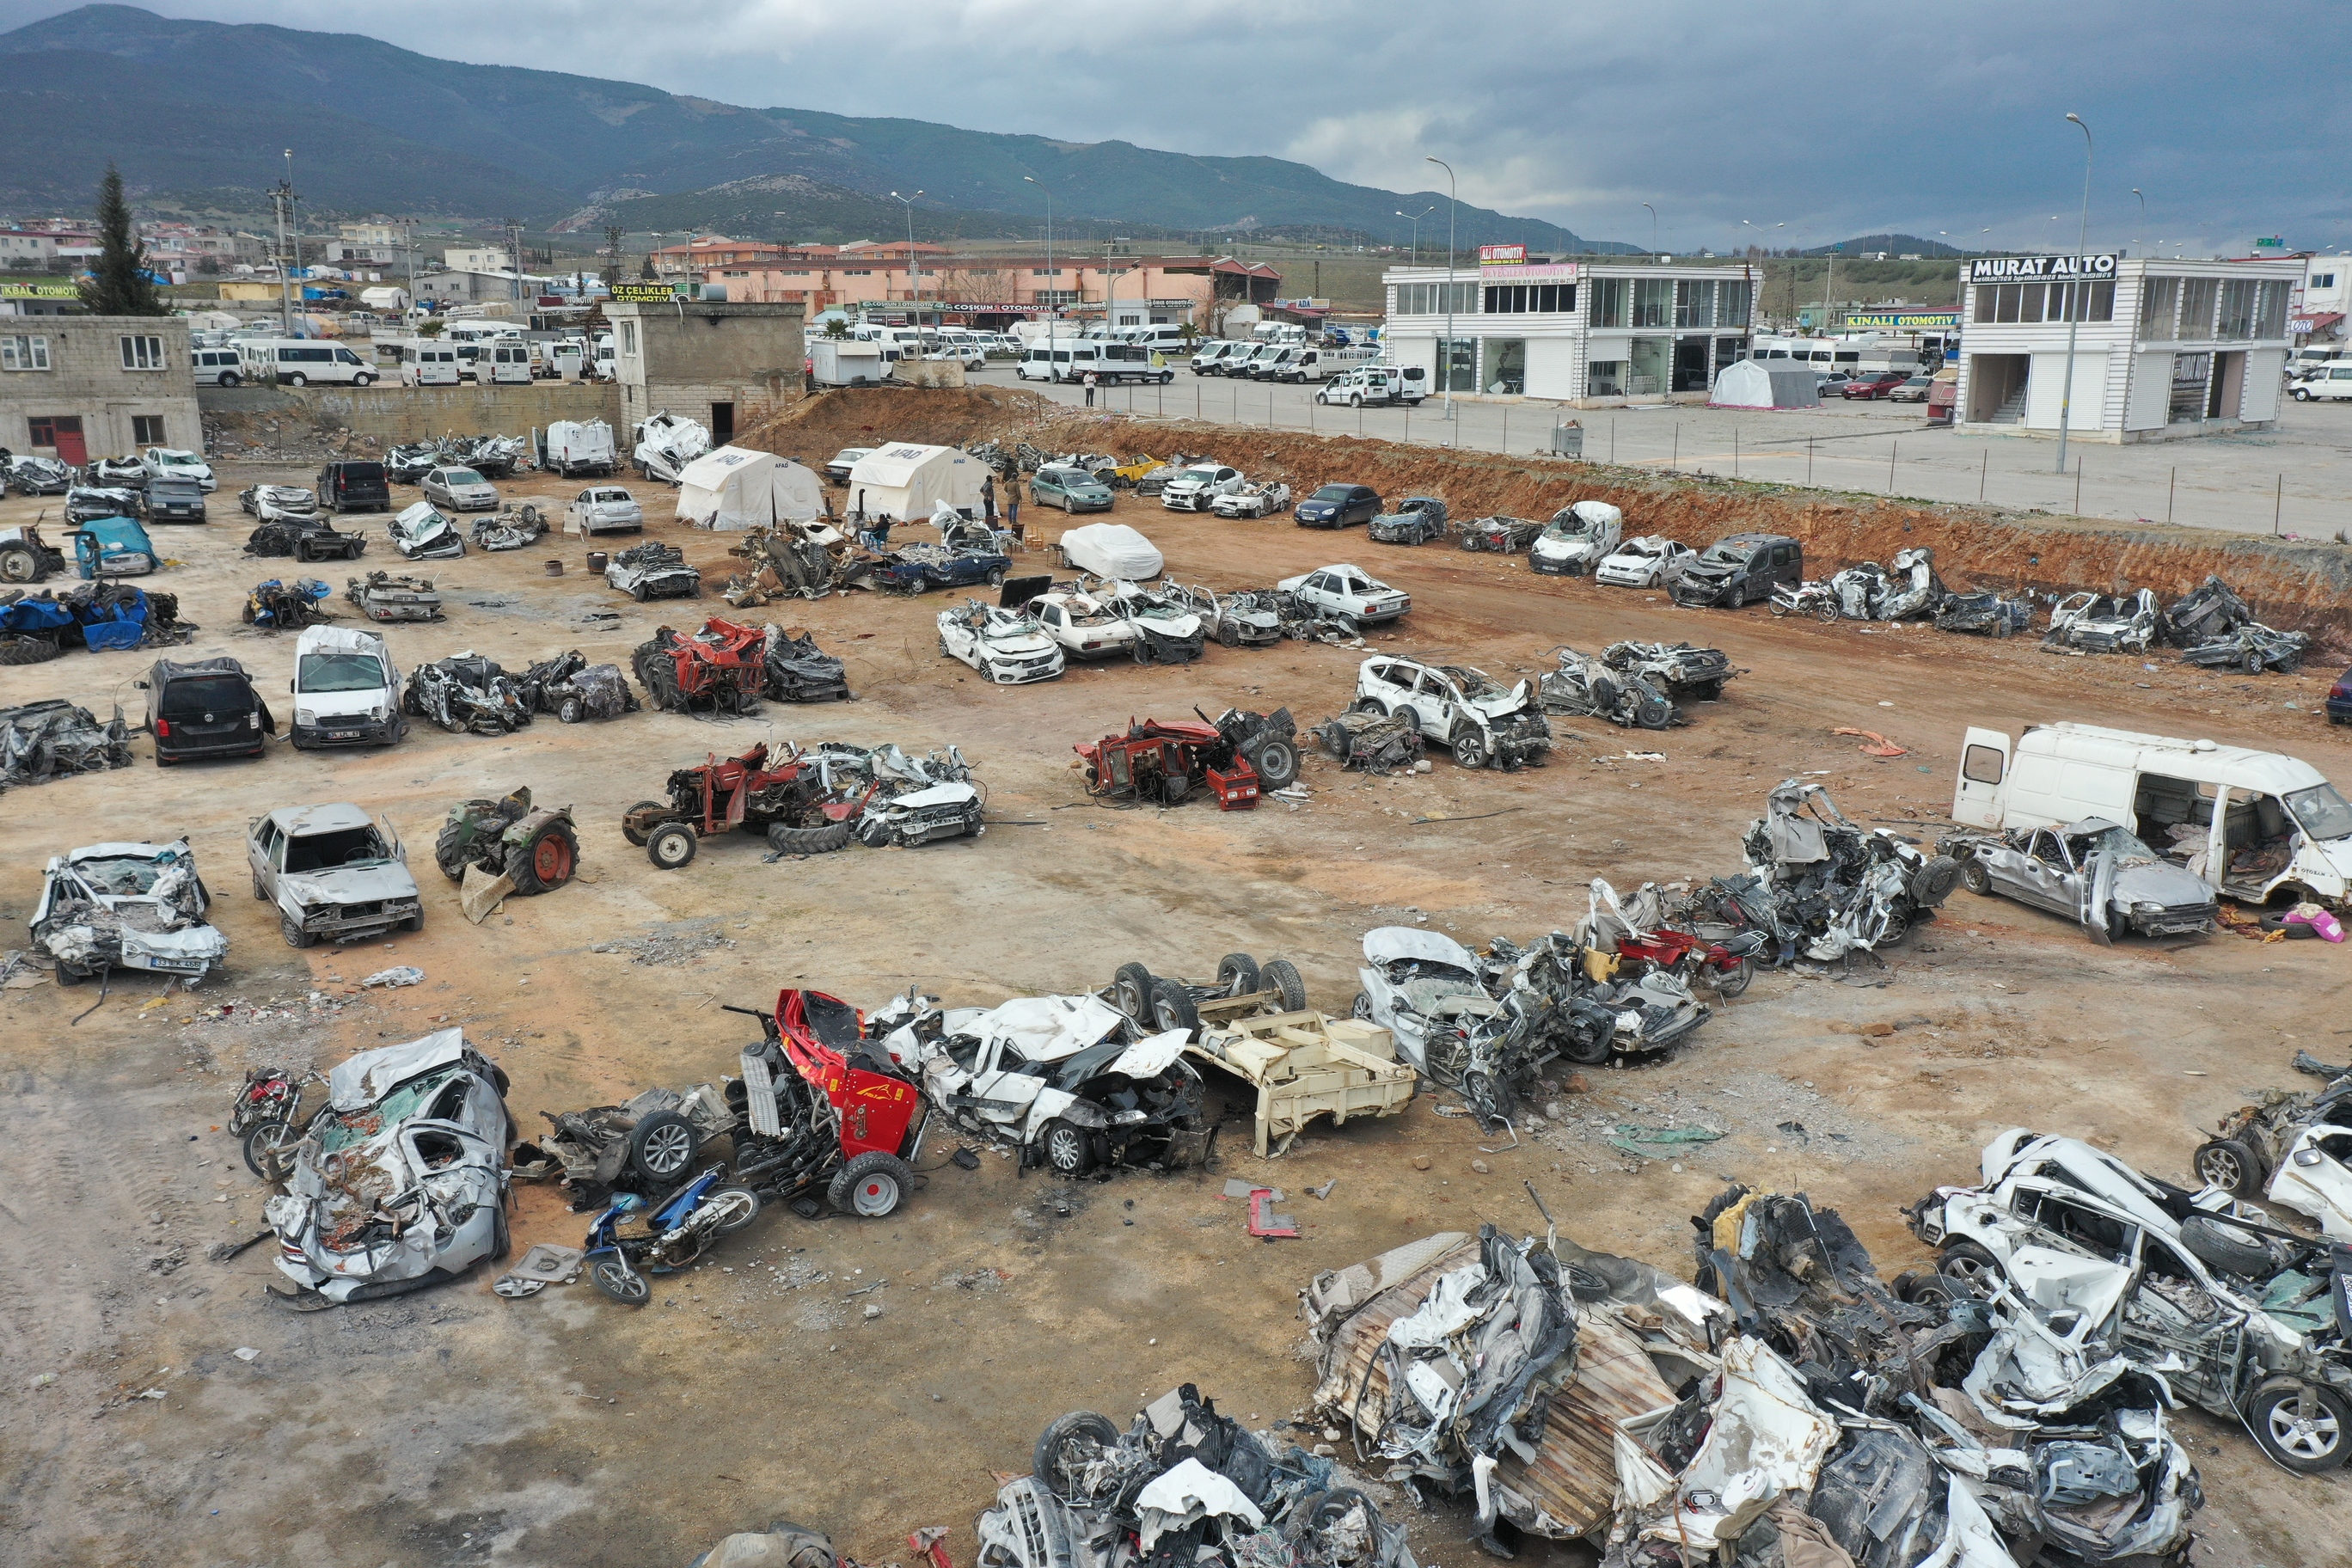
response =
{"points": [[432, 365], [503, 363], [218, 366], [1323, 364], [2257, 825], [295, 362], [346, 689]]}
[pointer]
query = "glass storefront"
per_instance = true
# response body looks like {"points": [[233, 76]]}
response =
{"points": [[1606, 379], [1506, 366], [1459, 357]]}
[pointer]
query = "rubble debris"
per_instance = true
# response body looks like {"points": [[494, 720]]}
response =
{"points": [[1879, 746], [397, 975], [384, 596], [1166, 762], [53, 738], [126, 907], [574, 691], [547, 1263], [1834, 885], [466, 693], [783, 1544], [1370, 741], [277, 605]]}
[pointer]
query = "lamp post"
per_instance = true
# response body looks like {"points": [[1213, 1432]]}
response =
{"points": [[2075, 298], [1446, 350], [1757, 306], [914, 290], [1053, 311], [2139, 242], [1653, 231], [1410, 218]]}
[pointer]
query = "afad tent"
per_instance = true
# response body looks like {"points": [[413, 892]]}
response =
{"points": [[734, 489], [1749, 384], [903, 482]]}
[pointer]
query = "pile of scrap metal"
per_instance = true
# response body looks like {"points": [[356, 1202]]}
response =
{"points": [[720, 669], [1487, 1042], [1184, 1487], [408, 462], [492, 456], [466, 693], [890, 799], [2290, 1148], [2099, 623], [123, 906], [1167, 762], [572, 690], [808, 560], [1371, 742], [277, 605], [53, 738], [305, 539], [1684, 672], [511, 527], [1912, 592], [384, 596], [1587, 687], [654, 571], [2216, 630], [1245, 618], [401, 1182], [1986, 612], [101, 617], [1834, 884], [796, 671], [666, 445]]}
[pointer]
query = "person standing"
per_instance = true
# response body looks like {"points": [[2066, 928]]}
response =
{"points": [[1090, 389], [987, 499], [1013, 510]]}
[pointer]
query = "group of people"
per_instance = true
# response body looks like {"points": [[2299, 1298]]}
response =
{"points": [[875, 533]]}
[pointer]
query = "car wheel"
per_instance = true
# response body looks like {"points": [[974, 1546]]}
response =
{"points": [[1469, 748], [2230, 1165], [1068, 1150], [1975, 878], [297, 379], [2224, 1248], [671, 846], [363, 379], [228, 378], [1932, 883], [871, 1185], [296, 937], [661, 1147], [1361, 1008], [2299, 395], [1172, 1008], [1069, 1446], [1971, 1267], [1130, 991], [996, 578], [1405, 713], [2303, 1427]]}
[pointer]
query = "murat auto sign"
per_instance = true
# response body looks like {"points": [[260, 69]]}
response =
{"points": [[2034, 269]]}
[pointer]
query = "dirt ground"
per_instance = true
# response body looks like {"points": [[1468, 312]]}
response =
{"points": [[453, 1426]]}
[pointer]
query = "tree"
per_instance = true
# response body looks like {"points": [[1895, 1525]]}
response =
{"points": [[119, 284], [649, 272]]}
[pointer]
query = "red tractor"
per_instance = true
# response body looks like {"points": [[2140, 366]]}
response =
{"points": [[820, 1104], [719, 669], [784, 801], [1168, 761]]}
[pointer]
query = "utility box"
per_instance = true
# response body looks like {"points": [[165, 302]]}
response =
{"points": [[1568, 441]]}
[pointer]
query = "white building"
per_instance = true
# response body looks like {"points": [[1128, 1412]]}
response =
{"points": [[2161, 348], [1585, 332], [2318, 314]]}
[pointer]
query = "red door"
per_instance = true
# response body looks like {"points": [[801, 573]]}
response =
{"points": [[63, 433]]}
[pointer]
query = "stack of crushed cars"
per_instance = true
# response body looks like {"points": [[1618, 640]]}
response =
{"points": [[2215, 629], [54, 738], [1911, 591], [1822, 884], [807, 559], [1184, 1487], [901, 800]]}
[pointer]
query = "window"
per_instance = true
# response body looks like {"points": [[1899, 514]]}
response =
{"points": [[1654, 301], [2197, 300], [2270, 309], [2237, 297], [1506, 366], [1732, 302], [1695, 302], [2159, 301], [143, 353], [1033, 272], [1607, 378], [1057, 296], [2323, 280], [1981, 765], [147, 430], [629, 338], [1431, 299], [2030, 302], [24, 353], [2191, 373], [1459, 356]]}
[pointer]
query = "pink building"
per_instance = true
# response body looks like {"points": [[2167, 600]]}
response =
{"points": [[995, 290]]}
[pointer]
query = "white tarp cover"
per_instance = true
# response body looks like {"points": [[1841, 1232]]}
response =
{"points": [[903, 481], [1112, 550], [1753, 383], [735, 488], [360, 1081], [337, 639]]}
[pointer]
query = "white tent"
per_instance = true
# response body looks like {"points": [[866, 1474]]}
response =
{"points": [[736, 489], [1748, 384], [903, 481]]}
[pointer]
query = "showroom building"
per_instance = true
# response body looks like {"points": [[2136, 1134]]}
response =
{"points": [[2161, 348], [1585, 332]]}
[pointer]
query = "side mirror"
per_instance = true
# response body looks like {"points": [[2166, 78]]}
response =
{"points": [[140, 684], [290, 686]]}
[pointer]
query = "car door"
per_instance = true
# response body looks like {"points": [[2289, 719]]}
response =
{"points": [[261, 845], [2315, 1178], [2171, 1319], [1003, 1083], [1434, 700], [2040, 872]]}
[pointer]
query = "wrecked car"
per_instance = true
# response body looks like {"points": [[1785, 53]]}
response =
{"points": [[277, 503], [2251, 648], [1366, 740], [123, 906], [1084, 621], [919, 568], [305, 539], [665, 443], [534, 848], [2208, 611], [282, 604], [1835, 885], [1605, 988], [1007, 646], [2093, 872], [574, 691], [421, 534], [54, 738], [1685, 673], [1243, 618], [466, 693], [1269, 499], [1988, 613], [1349, 594], [89, 503], [1579, 538], [1070, 1081], [334, 875], [383, 596], [402, 1182], [1653, 561], [898, 800], [1479, 718], [796, 671], [1500, 535], [654, 571], [2100, 622], [1869, 592], [2292, 1150], [1587, 687], [513, 528], [33, 475], [1416, 520], [1417, 984], [1740, 570]]}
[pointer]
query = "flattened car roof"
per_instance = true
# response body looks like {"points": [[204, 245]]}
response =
{"points": [[1385, 944], [301, 821], [360, 1081]]}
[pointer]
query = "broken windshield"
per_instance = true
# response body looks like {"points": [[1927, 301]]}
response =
{"points": [[1724, 553], [2119, 842], [340, 672], [2321, 812], [343, 847], [1475, 683]]}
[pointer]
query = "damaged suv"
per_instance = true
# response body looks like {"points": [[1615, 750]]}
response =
{"points": [[126, 906], [1479, 718]]}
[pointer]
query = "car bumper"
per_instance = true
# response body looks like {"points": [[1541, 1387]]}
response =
{"points": [[341, 928], [248, 745], [2176, 922], [1554, 567], [347, 733], [1079, 503], [1021, 674], [1174, 502]]}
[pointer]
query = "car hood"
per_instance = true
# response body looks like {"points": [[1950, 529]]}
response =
{"points": [[924, 799], [351, 884], [1712, 571], [360, 1080], [1502, 707], [2160, 883], [1386, 944], [1565, 549], [1016, 645], [1047, 1028]]}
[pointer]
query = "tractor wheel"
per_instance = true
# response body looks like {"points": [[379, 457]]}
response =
{"points": [[1281, 976], [631, 834], [1130, 991], [16, 649], [1277, 761], [1172, 1008], [809, 840], [1237, 975], [547, 861], [671, 846], [449, 848], [871, 1185]]}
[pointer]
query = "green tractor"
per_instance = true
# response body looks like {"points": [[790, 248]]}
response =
{"points": [[516, 848]]}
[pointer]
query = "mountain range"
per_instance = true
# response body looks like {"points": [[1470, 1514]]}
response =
{"points": [[182, 106]]}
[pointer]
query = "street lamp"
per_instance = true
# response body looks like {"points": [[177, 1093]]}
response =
{"points": [[1768, 250], [1445, 353], [914, 290], [1417, 228], [2140, 241], [2075, 297], [1053, 312], [1653, 231]]}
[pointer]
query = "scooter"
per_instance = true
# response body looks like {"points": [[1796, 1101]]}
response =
{"points": [[681, 1230], [1728, 965], [1814, 599]]}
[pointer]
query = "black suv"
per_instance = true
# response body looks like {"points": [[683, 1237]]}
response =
{"points": [[1337, 506], [175, 500], [354, 487], [204, 708], [1740, 570]]}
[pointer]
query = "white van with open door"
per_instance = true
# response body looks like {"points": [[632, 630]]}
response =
{"points": [[2256, 825]]}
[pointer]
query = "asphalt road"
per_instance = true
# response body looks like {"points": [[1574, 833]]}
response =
{"points": [[2293, 478]]}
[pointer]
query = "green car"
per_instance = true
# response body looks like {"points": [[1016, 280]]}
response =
{"points": [[1072, 490]]}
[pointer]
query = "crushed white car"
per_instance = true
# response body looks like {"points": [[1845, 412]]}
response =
{"points": [[1008, 646], [1349, 591], [1477, 717], [1577, 539], [1653, 561], [126, 906], [1197, 487]]}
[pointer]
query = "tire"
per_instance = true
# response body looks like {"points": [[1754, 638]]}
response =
{"points": [[362, 379], [2221, 1245], [268, 1149], [1172, 1008], [809, 840], [871, 1185], [661, 1147], [637, 592], [2000, 629], [1469, 748], [631, 834], [1141, 650], [1277, 761], [1932, 883], [1975, 878], [1405, 713], [671, 846], [1970, 1268], [259, 891], [449, 851], [1587, 1046], [548, 860], [1828, 613], [1470, 543], [296, 937], [1779, 609], [996, 578], [19, 564], [630, 1290], [1237, 975], [228, 378], [2228, 1165], [1130, 991], [1281, 976], [571, 711], [1735, 982], [297, 379], [20, 649], [2300, 395], [1652, 711], [742, 1206], [1068, 1150], [1229, 636], [2252, 664], [1067, 1438], [2303, 1427]]}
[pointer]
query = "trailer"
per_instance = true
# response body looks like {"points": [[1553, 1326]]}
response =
{"points": [[1302, 1065]]}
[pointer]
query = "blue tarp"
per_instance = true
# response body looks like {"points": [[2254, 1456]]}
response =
{"points": [[42, 615]]}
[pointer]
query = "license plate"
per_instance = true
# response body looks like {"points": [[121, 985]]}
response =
{"points": [[342, 734]]}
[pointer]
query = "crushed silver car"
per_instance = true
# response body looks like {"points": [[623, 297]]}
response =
{"points": [[2093, 872], [126, 906]]}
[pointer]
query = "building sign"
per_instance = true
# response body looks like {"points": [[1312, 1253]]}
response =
{"points": [[1904, 321], [1502, 256], [2274, 242], [39, 291], [1515, 272], [2031, 269], [643, 293]]}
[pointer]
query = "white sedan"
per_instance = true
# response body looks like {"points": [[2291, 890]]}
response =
{"points": [[1005, 646], [1652, 560], [1349, 591], [172, 463], [460, 490], [604, 509]]}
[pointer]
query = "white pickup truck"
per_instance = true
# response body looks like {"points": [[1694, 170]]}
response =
{"points": [[1197, 487]]}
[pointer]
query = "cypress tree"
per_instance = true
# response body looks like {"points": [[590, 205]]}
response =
{"points": [[119, 284]]}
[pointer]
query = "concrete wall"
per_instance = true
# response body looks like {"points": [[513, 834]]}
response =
{"points": [[686, 360], [85, 380], [397, 414]]}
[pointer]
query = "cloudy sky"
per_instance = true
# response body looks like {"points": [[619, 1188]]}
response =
{"points": [[1810, 120]]}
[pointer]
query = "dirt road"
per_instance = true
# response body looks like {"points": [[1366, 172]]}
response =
{"points": [[453, 1426]]}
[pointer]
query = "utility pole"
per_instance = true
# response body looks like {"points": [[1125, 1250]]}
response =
{"points": [[1053, 311], [282, 201], [2074, 297], [914, 285], [513, 226], [1445, 350]]}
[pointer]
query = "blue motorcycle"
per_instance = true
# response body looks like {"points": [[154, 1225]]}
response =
{"points": [[681, 1230]]}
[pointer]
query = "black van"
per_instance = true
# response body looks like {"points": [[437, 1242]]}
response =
{"points": [[1740, 570], [354, 487], [204, 708]]}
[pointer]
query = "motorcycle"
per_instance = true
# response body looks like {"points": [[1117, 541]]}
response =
{"points": [[267, 1120], [681, 1230], [1814, 599], [1728, 965]]}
